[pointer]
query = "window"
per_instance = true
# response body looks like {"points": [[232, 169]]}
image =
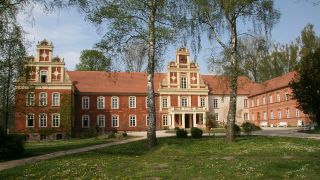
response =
{"points": [[215, 103], [252, 103], [55, 120], [115, 121], [270, 99], [100, 102], [114, 102], [85, 102], [132, 102], [245, 103], [30, 99], [56, 99], [258, 101], [132, 121], [147, 102], [43, 120], [147, 120], [85, 121], [279, 114], [183, 82], [43, 99], [245, 116], [278, 97], [101, 120], [184, 102], [264, 115], [202, 101], [165, 120], [30, 120], [164, 102], [286, 95], [297, 113], [43, 76], [288, 113], [271, 115], [264, 100], [216, 116]]}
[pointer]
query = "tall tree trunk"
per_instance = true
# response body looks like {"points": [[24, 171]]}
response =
{"points": [[233, 83], [152, 139], [8, 89]]}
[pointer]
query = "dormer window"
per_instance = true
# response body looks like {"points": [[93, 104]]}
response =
{"points": [[183, 82], [43, 76]]}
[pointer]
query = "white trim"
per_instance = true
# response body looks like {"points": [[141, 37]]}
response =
{"points": [[135, 120], [53, 100], [118, 121], [27, 119], [46, 120], [147, 119], [135, 102], [117, 98], [46, 98], [88, 120], [27, 99], [52, 119], [85, 97], [104, 120], [103, 102], [167, 120]]}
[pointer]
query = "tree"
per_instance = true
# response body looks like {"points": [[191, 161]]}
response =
{"points": [[93, 60], [219, 16], [155, 22], [306, 85], [135, 56]]}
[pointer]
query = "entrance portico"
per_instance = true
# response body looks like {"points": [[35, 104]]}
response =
{"points": [[187, 119]]}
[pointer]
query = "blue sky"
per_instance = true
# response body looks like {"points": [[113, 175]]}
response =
{"points": [[70, 33]]}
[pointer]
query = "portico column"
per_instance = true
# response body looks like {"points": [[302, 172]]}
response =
{"points": [[183, 121], [194, 116], [204, 119], [172, 120]]}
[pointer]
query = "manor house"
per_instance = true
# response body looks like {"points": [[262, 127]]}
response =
{"points": [[52, 102]]}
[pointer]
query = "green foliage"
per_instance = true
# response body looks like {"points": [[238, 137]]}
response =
{"points": [[66, 113], [210, 122], [249, 127], [11, 145], [196, 132], [181, 133], [124, 134], [112, 135], [93, 60], [236, 129]]}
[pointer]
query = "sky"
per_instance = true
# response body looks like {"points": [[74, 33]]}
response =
{"points": [[71, 34]]}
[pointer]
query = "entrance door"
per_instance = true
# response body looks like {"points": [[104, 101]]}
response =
{"points": [[187, 120]]}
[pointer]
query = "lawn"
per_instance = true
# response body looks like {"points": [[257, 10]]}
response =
{"points": [[206, 158], [45, 147]]}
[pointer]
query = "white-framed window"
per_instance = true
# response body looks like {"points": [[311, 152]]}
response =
{"points": [[270, 99], [264, 100], [101, 120], [85, 102], [184, 102], [114, 102], [55, 120], [147, 120], [279, 114], [245, 116], [165, 102], [183, 82], [43, 120], [216, 116], [43, 76], [147, 102], [278, 97], [297, 113], [288, 113], [30, 99], [165, 120], [132, 102], [132, 121], [30, 120], [202, 101], [264, 115], [252, 103], [56, 99], [286, 94], [114, 121], [215, 103], [258, 101], [271, 115], [100, 102], [245, 103], [85, 121], [43, 99]]}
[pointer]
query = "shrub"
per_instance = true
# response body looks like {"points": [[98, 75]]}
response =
{"points": [[237, 129], [112, 135], [196, 132], [124, 134], [11, 145], [181, 133], [176, 128], [249, 127]]}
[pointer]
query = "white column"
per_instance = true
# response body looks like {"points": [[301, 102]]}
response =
{"points": [[204, 119], [183, 121], [172, 120], [194, 116]]}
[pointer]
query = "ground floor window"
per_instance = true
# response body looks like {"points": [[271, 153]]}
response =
{"points": [[43, 137], [101, 120], [115, 121], [132, 121], [30, 120], [55, 120], [85, 121], [43, 120], [216, 116], [245, 116], [165, 120], [147, 119]]}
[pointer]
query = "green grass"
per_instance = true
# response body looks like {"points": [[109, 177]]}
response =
{"points": [[206, 158], [44, 147]]}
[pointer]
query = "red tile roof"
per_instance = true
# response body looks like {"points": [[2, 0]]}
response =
{"points": [[112, 82], [273, 84]]}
